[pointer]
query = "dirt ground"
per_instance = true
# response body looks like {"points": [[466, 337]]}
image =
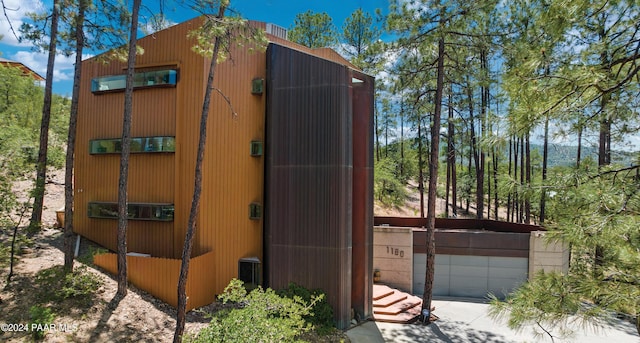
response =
{"points": [[139, 317]]}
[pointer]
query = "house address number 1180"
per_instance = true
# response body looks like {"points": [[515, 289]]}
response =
{"points": [[395, 251]]}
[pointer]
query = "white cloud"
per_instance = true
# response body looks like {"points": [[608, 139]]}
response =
{"points": [[155, 24], [37, 61], [17, 11]]}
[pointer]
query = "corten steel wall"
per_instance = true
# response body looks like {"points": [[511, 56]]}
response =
{"points": [[474, 243], [447, 223], [469, 236], [362, 227], [232, 178], [309, 176]]}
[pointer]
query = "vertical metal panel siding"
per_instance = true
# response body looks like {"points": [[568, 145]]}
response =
{"points": [[232, 178], [362, 285], [309, 170], [152, 176], [159, 276]]}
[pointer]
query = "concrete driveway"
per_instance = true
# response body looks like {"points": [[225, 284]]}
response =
{"points": [[466, 320]]}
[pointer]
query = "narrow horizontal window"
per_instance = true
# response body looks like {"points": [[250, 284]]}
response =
{"points": [[153, 78], [138, 145], [135, 211]]}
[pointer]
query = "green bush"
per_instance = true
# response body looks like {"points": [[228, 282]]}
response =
{"points": [[259, 316], [38, 317], [388, 188], [87, 258], [321, 316], [58, 286]]}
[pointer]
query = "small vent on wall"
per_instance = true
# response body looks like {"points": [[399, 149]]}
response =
{"points": [[249, 272], [255, 211], [256, 148], [277, 31], [257, 86]]}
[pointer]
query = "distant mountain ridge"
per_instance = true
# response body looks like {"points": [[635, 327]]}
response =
{"points": [[565, 155]]}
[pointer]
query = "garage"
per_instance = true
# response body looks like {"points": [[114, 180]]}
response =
{"points": [[474, 257], [471, 276], [472, 261]]}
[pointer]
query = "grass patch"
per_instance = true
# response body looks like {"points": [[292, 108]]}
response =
{"points": [[55, 286], [40, 316]]}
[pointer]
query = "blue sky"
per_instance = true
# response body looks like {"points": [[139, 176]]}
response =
{"points": [[279, 12]]}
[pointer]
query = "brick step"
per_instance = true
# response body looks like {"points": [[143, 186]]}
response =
{"points": [[409, 316], [389, 300], [381, 291], [402, 306]]}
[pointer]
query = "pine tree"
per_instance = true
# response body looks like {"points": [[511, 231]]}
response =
{"points": [[314, 30]]}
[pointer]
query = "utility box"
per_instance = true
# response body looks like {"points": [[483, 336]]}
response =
{"points": [[249, 272]]}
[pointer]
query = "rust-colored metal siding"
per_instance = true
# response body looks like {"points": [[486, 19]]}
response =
{"points": [[446, 223], [474, 243], [362, 93], [159, 276], [312, 213], [232, 178], [478, 237], [311, 204]]}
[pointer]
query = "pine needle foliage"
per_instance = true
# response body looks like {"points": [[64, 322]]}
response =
{"points": [[259, 316], [590, 210]]}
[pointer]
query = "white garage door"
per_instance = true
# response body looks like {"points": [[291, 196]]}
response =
{"points": [[471, 276]]}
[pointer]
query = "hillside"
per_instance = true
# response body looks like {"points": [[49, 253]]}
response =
{"points": [[565, 155]]}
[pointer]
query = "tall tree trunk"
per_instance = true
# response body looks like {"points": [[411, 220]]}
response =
{"points": [[420, 168], [484, 105], [604, 141], [433, 183], [488, 173], [386, 135], [123, 202], [478, 160], [452, 157], [527, 198], [496, 203], [41, 166], [469, 158], [509, 211], [402, 137], [523, 194], [376, 123], [516, 195], [197, 190], [545, 157], [579, 153], [71, 140]]}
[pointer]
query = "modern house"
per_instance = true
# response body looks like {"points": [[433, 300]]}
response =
{"points": [[287, 185]]}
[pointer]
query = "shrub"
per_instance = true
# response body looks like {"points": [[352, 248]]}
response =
{"points": [[259, 316], [321, 316], [39, 317], [87, 258], [60, 286]]}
